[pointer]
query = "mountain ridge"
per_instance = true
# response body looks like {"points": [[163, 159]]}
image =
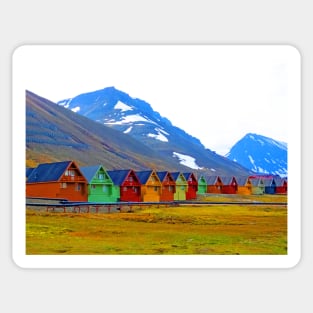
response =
{"points": [[260, 154], [136, 118], [55, 134]]}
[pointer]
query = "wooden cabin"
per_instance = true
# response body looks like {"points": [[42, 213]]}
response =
{"points": [[202, 185], [269, 185], [60, 180], [244, 185], [258, 187], [192, 189], [230, 184], [100, 184], [281, 185], [150, 186], [126, 184], [168, 186], [214, 184], [181, 186]]}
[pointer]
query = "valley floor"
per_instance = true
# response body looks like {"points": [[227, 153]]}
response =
{"points": [[185, 230]]}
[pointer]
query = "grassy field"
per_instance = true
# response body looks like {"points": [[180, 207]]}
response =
{"points": [[212, 229]]}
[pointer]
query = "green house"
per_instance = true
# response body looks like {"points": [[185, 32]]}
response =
{"points": [[100, 184], [181, 186], [202, 186], [258, 187]]}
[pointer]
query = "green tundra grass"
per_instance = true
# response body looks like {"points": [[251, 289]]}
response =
{"points": [[210, 230]]}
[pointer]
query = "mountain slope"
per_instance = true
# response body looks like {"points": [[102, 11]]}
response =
{"points": [[55, 134], [260, 154], [138, 120]]}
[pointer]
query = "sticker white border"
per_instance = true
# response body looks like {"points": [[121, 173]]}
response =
{"points": [[19, 83]]}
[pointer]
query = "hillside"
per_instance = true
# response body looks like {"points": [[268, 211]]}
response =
{"points": [[260, 154], [54, 134], [136, 118]]}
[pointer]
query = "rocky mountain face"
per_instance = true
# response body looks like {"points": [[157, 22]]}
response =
{"points": [[136, 119], [54, 133], [260, 154]]}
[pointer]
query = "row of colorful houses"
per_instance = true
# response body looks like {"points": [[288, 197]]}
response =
{"points": [[66, 180]]}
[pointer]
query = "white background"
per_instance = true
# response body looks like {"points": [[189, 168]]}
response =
{"points": [[227, 22]]}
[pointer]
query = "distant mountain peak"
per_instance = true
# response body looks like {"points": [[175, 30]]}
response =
{"points": [[260, 154]]}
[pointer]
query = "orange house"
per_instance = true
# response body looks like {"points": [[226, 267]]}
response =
{"points": [[168, 186], [150, 186], [60, 180], [214, 184], [244, 186]]}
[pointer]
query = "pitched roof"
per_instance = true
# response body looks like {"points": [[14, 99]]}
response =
{"points": [[211, 180], [163, 174], [242, 180], [256, 182], [269, 182], [227, 180], [48, 172], [29, 170], [175, 176], [188, 174], [119, 176], [90, 171], [143, 176], [280, 181]]}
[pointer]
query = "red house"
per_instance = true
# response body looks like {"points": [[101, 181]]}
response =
{"points": [[60, 180], [168, 186], [230, 185], [128, 184], [192, 186], [281, 185]]}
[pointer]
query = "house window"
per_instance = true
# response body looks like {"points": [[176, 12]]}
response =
{"points": [[93, 186], [63, 185], [77, 187], [101, 176], [70, 173], [105, 189]]}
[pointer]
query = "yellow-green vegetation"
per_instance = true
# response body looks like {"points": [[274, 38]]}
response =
{"points": [[212, 229]]}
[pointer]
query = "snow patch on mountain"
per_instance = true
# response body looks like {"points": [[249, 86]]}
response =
{"points": [[160, 135], [122, 106], [128, 130], [187, 160], [76, 109], [129, 119]]}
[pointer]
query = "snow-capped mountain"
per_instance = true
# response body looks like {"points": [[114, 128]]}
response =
{"points": [[136, 118], [260, 154], [133, 116]]}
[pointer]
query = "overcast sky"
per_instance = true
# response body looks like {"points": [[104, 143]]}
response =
{"points": [[217, 93]]}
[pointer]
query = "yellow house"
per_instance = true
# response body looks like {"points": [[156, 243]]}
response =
{"points": [[244, 186], [150, 186]]}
